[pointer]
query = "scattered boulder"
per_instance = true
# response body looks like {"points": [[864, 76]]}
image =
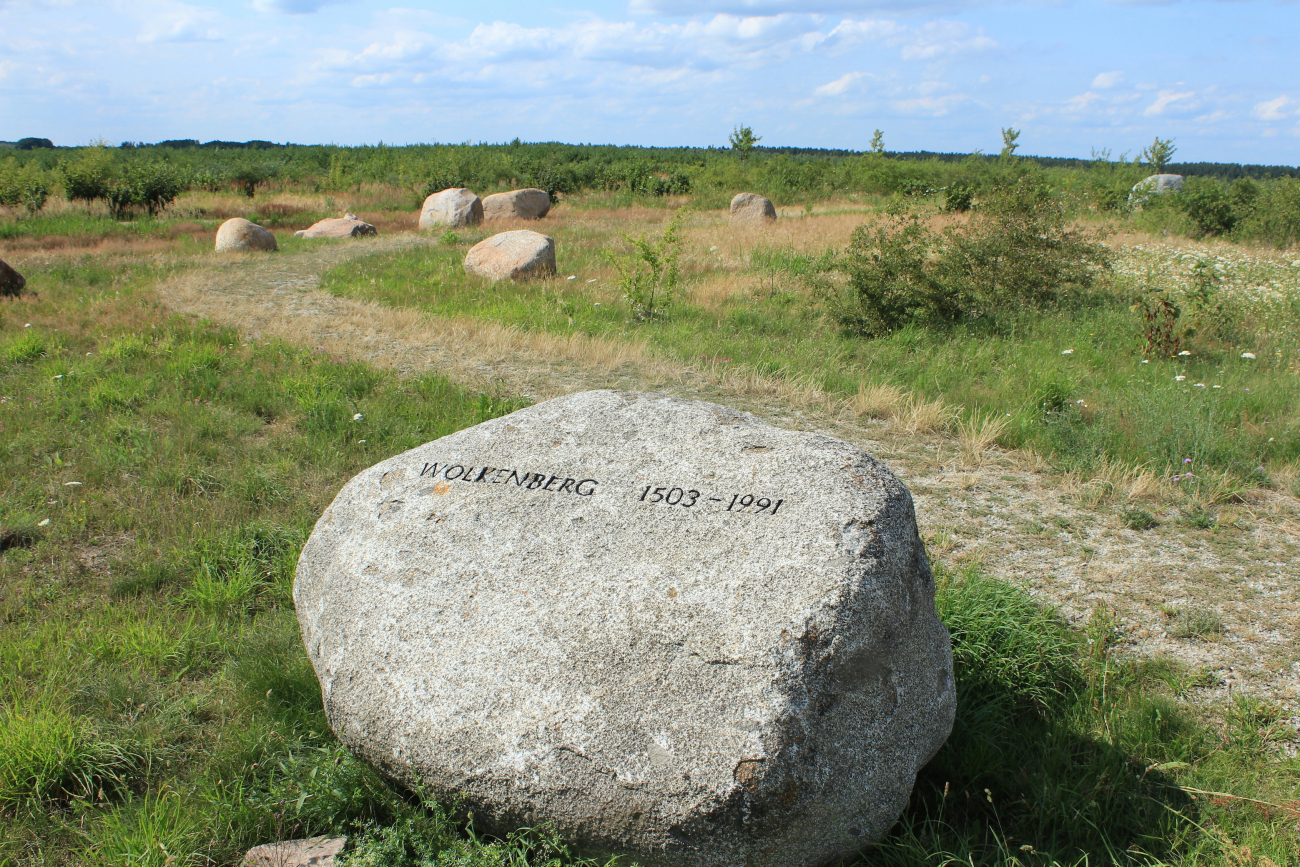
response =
{"points": [[313, 852], [751, 209], [1155, 184], [240, 234], [338, 227], [530, 204], [517, 255], [666, 627], [452, 208], [11, 282]]}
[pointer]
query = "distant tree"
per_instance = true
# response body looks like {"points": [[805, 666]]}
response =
{"points": [[878, 143], [1009, 143], [743, 141], [1159, 153], [29, 144]]}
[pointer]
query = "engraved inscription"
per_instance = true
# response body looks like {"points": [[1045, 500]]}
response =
{"points": [[688, 497], [526, 479]]}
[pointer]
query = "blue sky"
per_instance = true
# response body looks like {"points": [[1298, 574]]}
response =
{"points": [[1220, 78]]}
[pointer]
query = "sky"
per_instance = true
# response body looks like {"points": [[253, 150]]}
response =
{"points": [[1219, 77]]}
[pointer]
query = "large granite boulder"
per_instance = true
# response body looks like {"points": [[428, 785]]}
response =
{"points": [[517, 255], [668, 628], [240, 234], [11, 282], [751, 209], [530, 204], [349, 226], [452, 209]]}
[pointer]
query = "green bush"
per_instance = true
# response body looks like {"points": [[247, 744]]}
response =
{"points": [[1019, 251], [150, 185], [891, 279], [1207, 204], [1275, 217], [87, 177]]}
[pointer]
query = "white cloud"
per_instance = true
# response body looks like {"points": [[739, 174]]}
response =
{"points": [[935, 106], [1166, 98], [1082, 101], [937, 39], [839, 85], [292, 7], [177, 22], [1107, 80], [1274, 109]]}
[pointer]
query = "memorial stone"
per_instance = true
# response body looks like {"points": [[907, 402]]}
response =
{"points": [[668, 629]]}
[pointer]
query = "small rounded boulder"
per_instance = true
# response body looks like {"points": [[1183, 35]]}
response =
{"points": [[529, 204], [751, 209], [519, 255], [452, 208], [238, 235]]}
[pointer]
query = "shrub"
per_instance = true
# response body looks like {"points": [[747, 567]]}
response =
{"points": [[1021, 250], [648, 276], [1276, 215], [1018, 251], [1207, 204], [958, 198], [891, 280], [24, 186], [151, 185], [87, 178]]}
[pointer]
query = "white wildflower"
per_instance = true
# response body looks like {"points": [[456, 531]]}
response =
{"points": [[1067, 352], [358, 417], [1179, 378], [1248, 355], [43, 523]]}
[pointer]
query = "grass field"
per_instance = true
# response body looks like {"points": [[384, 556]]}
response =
{"points": [[159, 476]]}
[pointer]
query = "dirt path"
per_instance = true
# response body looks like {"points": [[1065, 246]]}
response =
{"points": [[1019, 520]]}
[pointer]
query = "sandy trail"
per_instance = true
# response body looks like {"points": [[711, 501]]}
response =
{"points": [[1015, 517]]}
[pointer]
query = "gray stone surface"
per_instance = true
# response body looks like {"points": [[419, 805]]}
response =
{"points": [[349, 226], [671, 629], [751, 209], [11, 282], [529, 204], [451, 209], [238, 234], [518, 255], [312, 852], [1155, 184]]}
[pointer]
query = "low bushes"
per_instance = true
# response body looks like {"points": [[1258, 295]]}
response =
{"points": [[1019, 250]]}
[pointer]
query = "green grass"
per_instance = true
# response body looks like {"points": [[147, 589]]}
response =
{"points": [[158, 477], [155, 700], [1072, 379]]}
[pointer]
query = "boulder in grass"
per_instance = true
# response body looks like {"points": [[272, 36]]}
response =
{"points": [[452, 209], [313, 852], [751, 209], [518, 255], [339, 227], [530, 204], [1159, 185], [665, 627], [11, 282], [238, 234]]}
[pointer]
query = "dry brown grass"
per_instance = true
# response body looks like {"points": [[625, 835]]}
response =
{"points": [[877, 400], [1111, 481], [977, 433]]}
